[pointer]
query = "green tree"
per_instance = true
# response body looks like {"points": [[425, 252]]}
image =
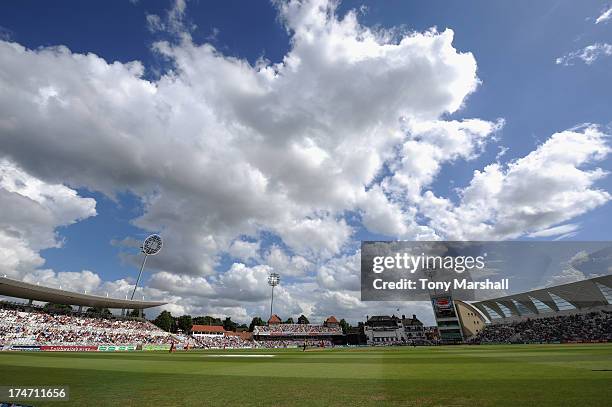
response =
{"points": [[184, 323], [207, 320], [229, 325], [99, 311], [345, 326], [303, 320], [164, 321], [135, 313], [289, 321], [256, 321], [53, 307]]}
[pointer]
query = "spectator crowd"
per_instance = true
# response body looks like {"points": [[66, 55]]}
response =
{"points": [[19, 326], [288, 343], [40, 328], [590, 327], [297, 330], [222, 342]]}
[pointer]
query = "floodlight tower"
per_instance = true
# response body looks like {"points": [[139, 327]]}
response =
{"points": [[273, 281], [151, 246]]}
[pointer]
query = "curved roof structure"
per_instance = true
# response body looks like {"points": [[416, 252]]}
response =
{"points": [[20, 289], [577, 297]]}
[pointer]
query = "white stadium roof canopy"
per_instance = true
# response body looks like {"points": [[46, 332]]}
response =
{"points": [[578, 297], [20, 289]]}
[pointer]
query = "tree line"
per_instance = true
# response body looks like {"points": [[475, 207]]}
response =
{"points": [[169, 323]]}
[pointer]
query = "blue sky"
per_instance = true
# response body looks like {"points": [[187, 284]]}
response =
{"points": [[515, 46]]}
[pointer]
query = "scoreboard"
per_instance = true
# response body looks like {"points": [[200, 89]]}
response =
{"points": [[447, 320]]}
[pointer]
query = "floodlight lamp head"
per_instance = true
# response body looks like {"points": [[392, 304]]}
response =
{"points": [[274, 279], [152, 245]]}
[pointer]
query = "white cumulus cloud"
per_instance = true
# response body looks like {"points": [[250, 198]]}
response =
{"points": [[221, 151]]}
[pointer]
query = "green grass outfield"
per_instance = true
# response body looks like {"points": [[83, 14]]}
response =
{"points": [[515, 375]]}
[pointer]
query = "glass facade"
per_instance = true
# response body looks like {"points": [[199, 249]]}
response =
{"points": [[492, 312], [606, 292], [540, 306], [522, 309], [561, 303]]}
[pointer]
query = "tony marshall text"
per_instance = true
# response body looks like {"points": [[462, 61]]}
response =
{"points": [[426, 284]]}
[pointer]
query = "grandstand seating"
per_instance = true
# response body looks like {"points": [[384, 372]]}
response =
{"points": [[222, 342], [297, 330], [31, 326], [287, 343], [19, 327], [589, 327], [295, 335]]}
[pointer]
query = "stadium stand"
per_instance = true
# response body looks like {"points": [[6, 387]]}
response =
{"points": [[285, 343], [584, 296], [223, 342], [589, 327], [297, 330], [215, 337], [282, 335], [19, 326]]}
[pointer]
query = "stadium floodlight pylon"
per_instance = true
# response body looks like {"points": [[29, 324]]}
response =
{"points": [[151, 246], [273, 281]]}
